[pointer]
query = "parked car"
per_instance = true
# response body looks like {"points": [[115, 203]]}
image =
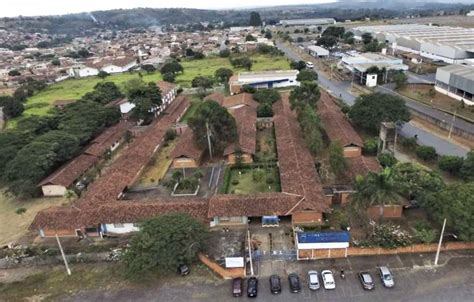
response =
{"points": [[366, 280], [275, 284], [183, 270], [252, 287], [313, 280], [295, 284], [328, 279], [309, 65], [386, 277], [237, 287]]}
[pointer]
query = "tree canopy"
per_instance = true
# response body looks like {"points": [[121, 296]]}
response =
{"points": [[145, 96], [163, 243], [335, 31], [308, 93], [370, 110], [255, 19], [223, 74], [307, 75], [222, 126], [171, 66], [103, 93]]}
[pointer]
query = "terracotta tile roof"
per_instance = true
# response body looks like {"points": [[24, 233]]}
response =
{"points": [[215, 96], [71, 171], [246, 119], [298, 174], [186, 147], [126, 168], [106, 139], [165, 87], [337, 126], [362, 165], [129, 211], [240, 99], [119, 61], [260, 204]]}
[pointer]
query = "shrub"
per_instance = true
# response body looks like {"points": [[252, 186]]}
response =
{"points": [[248, 89], [451, 164], [409, 143], [170, 135], [270, 180], [258, 175], [387, 236], [387, 160], [235, 182], [423, 232], [370, 146], [264, 110], [426, 153]]}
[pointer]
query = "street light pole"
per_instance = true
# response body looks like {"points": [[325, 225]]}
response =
{"points": [[452, 125], [63, 255], [440, 242], [250, 252]]}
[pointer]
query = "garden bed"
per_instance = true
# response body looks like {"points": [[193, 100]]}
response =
{"points": [[266, 145], [250, 180]]}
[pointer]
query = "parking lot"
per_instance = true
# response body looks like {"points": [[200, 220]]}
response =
{"points": [[414, 281]]}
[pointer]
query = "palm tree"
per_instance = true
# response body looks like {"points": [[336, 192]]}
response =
{"points": [[377, 189]]}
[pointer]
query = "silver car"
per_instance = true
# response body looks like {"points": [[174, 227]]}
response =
{"points": [[313, 280], [386, 277]]}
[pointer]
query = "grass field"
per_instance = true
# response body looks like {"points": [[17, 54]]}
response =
{"points": [[42, 102], [245, 183], [195, 101], [156, 169], [424, 94], [14, 226]]}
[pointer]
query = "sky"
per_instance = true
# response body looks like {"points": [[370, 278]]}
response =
{"points": [[13, 8]]}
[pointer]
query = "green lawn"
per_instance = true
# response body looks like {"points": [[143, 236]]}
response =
{"points": [[245, 182], [42, 102], [195, 101]]}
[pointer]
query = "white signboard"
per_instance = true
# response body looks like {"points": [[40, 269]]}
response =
{"points": [[231, 262]]}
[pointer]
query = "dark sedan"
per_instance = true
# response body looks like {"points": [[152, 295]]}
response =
{"points": [[366, 280], [252, 287]]}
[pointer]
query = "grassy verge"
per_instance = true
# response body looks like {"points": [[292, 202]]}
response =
{"points": [[427, 95], [41, 103], [52, 284], [195, 101], [156, 169], [14, 226]]}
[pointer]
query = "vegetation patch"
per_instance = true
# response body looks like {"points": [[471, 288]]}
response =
{"points": [[250, 180]]}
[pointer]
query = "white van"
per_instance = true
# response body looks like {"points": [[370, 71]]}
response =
{"points": [[309, 65]]}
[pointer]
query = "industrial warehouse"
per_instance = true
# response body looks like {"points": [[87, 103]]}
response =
{"points": [[439, 43]]}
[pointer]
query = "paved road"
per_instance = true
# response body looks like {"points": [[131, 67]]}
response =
{"points": [[450, 282], [442, 146], [421, 78]]}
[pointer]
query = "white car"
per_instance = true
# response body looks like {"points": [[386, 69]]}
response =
{"points": [[309, 65], [386, 276], [328, 279], [313, 280]]}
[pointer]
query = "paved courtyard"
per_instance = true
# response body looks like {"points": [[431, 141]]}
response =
{"points": [[415, 281]]}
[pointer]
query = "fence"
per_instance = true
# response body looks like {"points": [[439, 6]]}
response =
{"points": [[286, 255], [373, 251], [226, 273]]}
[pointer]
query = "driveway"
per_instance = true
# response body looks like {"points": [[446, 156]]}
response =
{"points": [[452, 281]]}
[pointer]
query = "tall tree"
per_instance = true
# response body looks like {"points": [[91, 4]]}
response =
{"points": [[163, 243], [377, 189], [307, 93], [221, 125], [255, 19], [337, 160], [372, 109]]}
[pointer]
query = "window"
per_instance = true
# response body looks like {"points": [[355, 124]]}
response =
{"points": [[118, 225]]}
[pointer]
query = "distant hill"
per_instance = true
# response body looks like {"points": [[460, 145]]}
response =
{"points": [[85, 23]]}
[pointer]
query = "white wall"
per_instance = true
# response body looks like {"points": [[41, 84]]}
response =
{"points": [[454, 96], [124, 228], [53, 190]]}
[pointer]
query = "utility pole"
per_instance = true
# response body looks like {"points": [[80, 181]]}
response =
{"points": [[452, 124], [63, 255], [395, 141], [440, 242], [208, 133], [250, 252]]}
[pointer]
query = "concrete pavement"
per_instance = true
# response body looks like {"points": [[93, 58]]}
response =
{"points": [[342, 90], [451, 281]]}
